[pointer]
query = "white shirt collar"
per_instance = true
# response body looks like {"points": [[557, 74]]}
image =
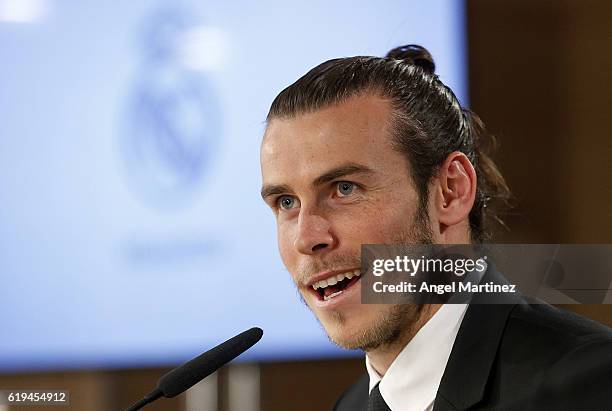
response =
{"points": [[412, 380]]}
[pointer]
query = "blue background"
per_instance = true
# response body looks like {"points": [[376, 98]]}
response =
{"points": [[132, 232]]}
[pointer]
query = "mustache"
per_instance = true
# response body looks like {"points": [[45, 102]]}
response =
{"points": [[310, 268]]}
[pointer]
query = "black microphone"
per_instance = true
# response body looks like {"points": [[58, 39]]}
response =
{"points": [[187, 375]]}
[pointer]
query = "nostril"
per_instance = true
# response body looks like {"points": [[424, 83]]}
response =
{"points": [[319, 246]]}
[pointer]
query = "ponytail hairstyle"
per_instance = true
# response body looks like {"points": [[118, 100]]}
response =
{"points": [[428, 120]]}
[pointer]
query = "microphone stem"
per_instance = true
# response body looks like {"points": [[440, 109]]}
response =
{"points": [[152, 396]]}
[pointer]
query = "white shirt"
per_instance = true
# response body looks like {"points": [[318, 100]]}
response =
{"points": [[412, 380]]}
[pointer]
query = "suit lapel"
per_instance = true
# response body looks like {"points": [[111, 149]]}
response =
{"points": [[474, 351]]}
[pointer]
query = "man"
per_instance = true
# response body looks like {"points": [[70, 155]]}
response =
{"points": [[371, 150]]}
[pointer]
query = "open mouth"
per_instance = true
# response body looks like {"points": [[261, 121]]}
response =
{"points": [[334, 286]]}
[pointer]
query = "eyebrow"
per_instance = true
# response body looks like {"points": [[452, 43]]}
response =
{"points": [[334, 173]]}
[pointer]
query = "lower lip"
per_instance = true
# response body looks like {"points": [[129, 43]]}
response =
{"points": [[349, 295]]}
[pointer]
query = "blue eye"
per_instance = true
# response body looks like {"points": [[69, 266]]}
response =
{"points": [[345, 188], [286, 202]]}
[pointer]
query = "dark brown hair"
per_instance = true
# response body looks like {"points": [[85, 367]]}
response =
{"points": [[429, 122]]}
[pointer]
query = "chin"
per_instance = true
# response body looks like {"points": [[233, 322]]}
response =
{"points": [[368, 327], [346, 331], [344, 337]]}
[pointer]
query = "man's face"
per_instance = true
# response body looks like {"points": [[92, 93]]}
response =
{"points": [[334, 183]]}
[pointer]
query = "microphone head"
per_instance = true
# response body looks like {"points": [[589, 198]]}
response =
{"points": [[187, 375]]}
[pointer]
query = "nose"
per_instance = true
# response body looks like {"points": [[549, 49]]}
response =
{"points": [[313, 234]]}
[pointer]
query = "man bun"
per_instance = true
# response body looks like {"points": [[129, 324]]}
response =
{"points": [[415, 55]]}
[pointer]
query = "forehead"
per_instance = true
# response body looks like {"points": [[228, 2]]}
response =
{"points": [[356, 130]]}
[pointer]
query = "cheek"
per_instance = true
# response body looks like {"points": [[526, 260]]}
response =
{"points": [[285, 237], [379, 222]]}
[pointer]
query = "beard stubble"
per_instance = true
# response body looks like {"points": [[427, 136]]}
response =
{"points": [[396, 320]]}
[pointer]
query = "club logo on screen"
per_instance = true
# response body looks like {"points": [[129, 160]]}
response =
{"points": [[171, 124]]}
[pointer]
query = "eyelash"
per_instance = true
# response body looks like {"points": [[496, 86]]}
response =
{"points": [[335, 184]]}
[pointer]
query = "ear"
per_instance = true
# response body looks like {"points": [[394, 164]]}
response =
{"points": [[455, 190]]}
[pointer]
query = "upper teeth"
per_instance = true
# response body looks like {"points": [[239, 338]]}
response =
{"points": [[334, 280]]}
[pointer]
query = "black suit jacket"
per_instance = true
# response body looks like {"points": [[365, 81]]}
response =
{"points": [[519, 356]]}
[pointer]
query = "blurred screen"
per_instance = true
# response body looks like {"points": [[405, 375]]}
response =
{"points": [[132, 232]]}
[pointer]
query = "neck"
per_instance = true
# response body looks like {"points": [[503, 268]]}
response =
{"points": [[383, 356]]}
